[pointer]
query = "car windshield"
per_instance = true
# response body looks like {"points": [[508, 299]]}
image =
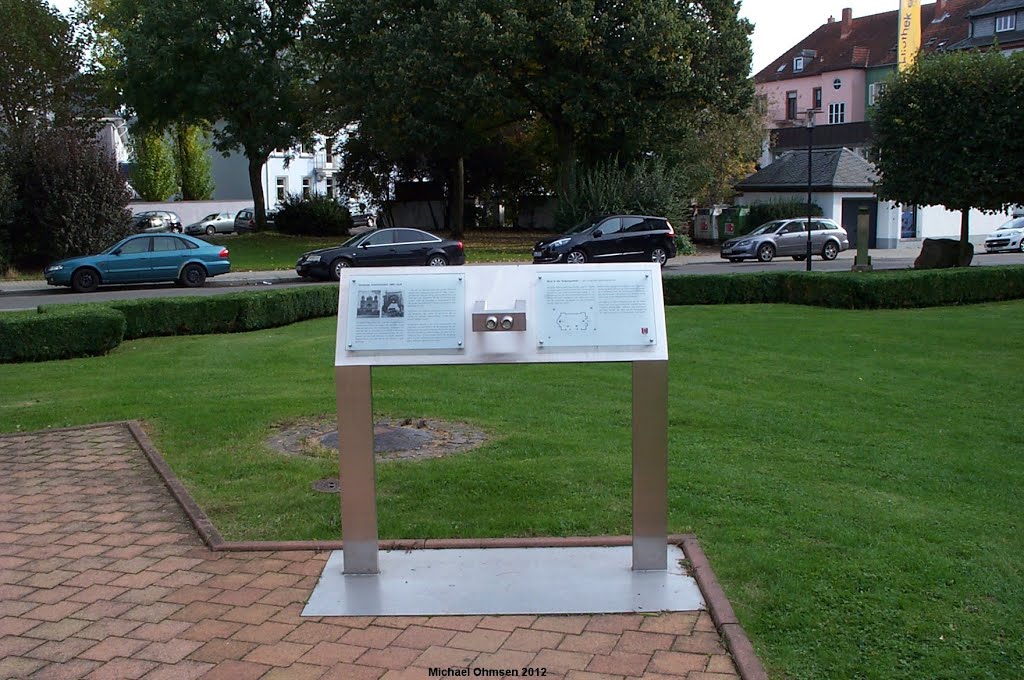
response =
{"points": [[767, 228], [354, 241], [1015, 223], [581, 227]]}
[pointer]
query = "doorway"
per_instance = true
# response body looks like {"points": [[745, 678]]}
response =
{"points": [[853, 208]]}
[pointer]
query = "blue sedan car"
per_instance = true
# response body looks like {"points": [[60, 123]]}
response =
{"points": [[143, 258]]}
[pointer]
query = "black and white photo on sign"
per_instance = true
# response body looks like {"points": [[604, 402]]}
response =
{"points": [[369, 304], [394, 306]]}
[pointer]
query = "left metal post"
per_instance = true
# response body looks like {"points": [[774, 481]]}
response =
{"points": [[357, 469]]}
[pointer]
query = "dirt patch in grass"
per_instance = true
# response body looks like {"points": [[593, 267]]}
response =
{"points": [[394, 439]]}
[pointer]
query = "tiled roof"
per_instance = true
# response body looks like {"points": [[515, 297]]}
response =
{"points": [[997, 6], [832, 169], [871, 40]]}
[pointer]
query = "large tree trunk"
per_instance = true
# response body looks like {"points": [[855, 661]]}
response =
{"points": [[458, 199], [965, 215], [565, 139], [256, 186]]}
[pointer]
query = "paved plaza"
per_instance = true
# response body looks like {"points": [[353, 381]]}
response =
{"points": [[102, 576]]}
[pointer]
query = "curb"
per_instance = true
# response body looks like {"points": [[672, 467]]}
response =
{"points": [[744, 657]]}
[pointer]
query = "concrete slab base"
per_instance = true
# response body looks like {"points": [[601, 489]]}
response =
{"points": [[504, 581]]}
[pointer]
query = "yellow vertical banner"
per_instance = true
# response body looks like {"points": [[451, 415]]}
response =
{"points": [[910, 32]]}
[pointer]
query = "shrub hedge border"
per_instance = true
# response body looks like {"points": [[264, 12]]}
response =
{"points": [[67, 331]]}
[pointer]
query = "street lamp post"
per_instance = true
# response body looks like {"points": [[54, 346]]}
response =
{"points": [[810, 156]]}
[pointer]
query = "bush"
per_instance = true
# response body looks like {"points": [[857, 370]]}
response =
{"points": [[684, 246], [70, 197], [776, 210], [648, 187], [851, 290], [59, 333], [317, 215]]}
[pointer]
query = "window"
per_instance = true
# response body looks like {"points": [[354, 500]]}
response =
{"points": [[817, 99], [282, 189], [635, 224], [412, 236], [795, 227], [381, 238], [798, 64], [136, 246], [791, 105], [908, 221], [837, 83], [836, 113], [167, 243], [330, 187], [1006, 22], [610, 226], [875, 90], [329, 151], [305, 187]]}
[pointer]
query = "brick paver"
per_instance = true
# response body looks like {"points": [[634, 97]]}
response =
{"points": [[101, 576]]}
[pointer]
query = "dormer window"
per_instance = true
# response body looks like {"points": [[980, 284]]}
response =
{"points": [[1006, 22], [798, 64]]}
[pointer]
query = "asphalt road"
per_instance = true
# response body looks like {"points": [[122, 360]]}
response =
{"points": [[20, 295]]}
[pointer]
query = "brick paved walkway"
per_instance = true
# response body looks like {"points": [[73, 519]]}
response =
{"points": [[101, 576]]}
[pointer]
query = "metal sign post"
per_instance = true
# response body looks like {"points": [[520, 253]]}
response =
{"points": [[556, 314]]}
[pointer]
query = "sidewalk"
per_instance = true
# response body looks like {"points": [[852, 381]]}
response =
{"points": [[101, 576]]}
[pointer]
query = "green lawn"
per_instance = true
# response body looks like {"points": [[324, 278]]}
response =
{"points": [[854, 477]]}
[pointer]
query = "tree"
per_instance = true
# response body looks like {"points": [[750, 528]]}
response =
{"points": [[152, 166], [611, 77], [234, 62], [71, 199], [41, 78], [948, 132], [192, 163]]}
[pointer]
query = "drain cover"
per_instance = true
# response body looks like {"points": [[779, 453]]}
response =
{"points": [[387, 439], [329, 485]]}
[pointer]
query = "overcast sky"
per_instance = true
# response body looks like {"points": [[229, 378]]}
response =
{"points": [[778, 24]]}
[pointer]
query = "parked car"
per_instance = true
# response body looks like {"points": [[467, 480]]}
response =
{"points": [[214, 223], [142, 258], [1009, 236], [157, 221], [609, 238], [245, 220], [381, 248], [788, 237], [362, 223]]}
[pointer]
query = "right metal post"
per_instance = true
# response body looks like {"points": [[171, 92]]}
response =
{"points": [[650, 465]]}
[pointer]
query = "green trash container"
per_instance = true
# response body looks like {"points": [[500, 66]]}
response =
{"points": [[732, 222]]}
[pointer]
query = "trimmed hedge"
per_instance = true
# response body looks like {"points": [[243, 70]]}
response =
{"points": [[59, 333], [63, 331], [851, 290]]}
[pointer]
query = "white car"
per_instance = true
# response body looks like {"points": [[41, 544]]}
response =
{"points": [[1009, 236]]}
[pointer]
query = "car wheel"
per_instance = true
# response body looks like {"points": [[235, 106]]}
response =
{"points": [[766, 252], [192, 276], [210, 231], [437, 261], [337, 266], [1022, 245], [576, 257], [829, 251], [659, 255], [799, 258], [85, 280]]}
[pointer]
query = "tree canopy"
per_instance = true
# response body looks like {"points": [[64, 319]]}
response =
{"points": [[950, 132], [232, 61]]}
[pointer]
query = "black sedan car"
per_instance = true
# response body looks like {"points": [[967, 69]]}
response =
{"points": [[391, 247]]}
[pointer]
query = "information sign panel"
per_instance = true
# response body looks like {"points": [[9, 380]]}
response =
{"points": [[410, 312], [595, 309]]}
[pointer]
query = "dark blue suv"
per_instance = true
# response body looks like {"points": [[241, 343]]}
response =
{"points": [[611, 238]]}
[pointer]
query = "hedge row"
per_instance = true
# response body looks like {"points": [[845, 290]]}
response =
{"points": [[64, 331], [59, 333], [851, 290]]}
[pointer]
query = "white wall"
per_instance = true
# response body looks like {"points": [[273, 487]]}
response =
{"points": [[937, 222]]}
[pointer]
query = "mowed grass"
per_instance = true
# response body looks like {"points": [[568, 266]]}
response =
{"points": [[855, 477], [271, 250]]}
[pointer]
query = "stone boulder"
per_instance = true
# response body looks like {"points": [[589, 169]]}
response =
{"points": [[940, 253]]}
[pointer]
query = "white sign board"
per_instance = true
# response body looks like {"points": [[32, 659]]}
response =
{"points": [[573, 313]]}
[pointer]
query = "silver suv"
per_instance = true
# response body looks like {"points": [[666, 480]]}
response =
{"points": [[788, 237]]}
